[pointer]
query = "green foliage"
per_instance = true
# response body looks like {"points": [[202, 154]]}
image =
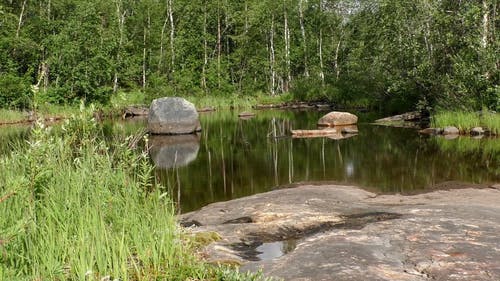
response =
{"points": [[15, 91], [371, 53]]}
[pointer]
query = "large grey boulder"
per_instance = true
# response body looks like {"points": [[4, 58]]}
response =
{"points": [[173, 116], [173, 151], [337, 118]]}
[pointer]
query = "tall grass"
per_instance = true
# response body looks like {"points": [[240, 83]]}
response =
{"points": [[467, 120], [8, 115], [462, 120], [73, 207]]}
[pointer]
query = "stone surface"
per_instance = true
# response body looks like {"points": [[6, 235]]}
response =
{"points": [[206, 109], [173, 151], [336, 118], [477, 131], [450, 130], [173, 115], [345, 233], [135, 110], [431, 131], [408, 116]]}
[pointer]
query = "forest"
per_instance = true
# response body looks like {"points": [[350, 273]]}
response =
{"points": [[391, 55]]}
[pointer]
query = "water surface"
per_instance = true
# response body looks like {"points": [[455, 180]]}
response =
{"points": [[232, 158]]}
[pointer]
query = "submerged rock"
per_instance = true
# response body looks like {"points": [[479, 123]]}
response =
{"points": [[173, 151], [337, 118], [431, 131], [345, 233], [172, 116]]}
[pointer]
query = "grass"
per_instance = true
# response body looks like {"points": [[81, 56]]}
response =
{"points": [[8, 115], [121, 100], [465, 121], [73, 207]]}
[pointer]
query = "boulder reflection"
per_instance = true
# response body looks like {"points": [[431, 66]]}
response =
{"points": [[173, 151]]}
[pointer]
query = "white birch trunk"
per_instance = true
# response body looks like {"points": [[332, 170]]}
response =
{"points": [[304, 40], [121, 23], [21, 15], [287, 50], [219, 46], [271, 58], [205, 51], [485, 31], [172, 34]]}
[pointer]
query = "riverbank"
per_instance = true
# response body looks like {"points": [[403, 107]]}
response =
{"points": [[345, 233], [121, 101], [74, 207]]}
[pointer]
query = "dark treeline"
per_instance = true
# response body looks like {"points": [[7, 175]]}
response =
{"points": [[399, 54]]}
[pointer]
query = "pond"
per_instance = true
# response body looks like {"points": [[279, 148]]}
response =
{"points": [[233, 157]]}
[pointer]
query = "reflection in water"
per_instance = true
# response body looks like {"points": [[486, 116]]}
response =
{"points": [[273, 250], [242, 157], [173, 151], [234, 158]]}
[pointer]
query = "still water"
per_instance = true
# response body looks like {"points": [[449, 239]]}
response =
{"points": [[232, 157]]}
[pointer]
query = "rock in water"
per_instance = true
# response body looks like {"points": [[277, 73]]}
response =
{"points": [[450, 130], [173, 116], [336, 118]]}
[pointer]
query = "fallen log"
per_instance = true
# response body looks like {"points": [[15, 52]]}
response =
{"points": [[314, 133]]}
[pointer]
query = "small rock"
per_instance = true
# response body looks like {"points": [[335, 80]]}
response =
{"points": [[431, 131], [206, 109], [477, 131], [337, 118], [450, 130], [246, 114]]}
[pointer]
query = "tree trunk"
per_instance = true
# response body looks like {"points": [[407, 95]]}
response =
{"points": [[162, 36], [21, 15], [320, 48], [304, 40], [205, 51], [336, 59], [144, 50], [121, 23], [219, 46], [485, 31], [172, 34], [287, 49], [271, 57]]}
